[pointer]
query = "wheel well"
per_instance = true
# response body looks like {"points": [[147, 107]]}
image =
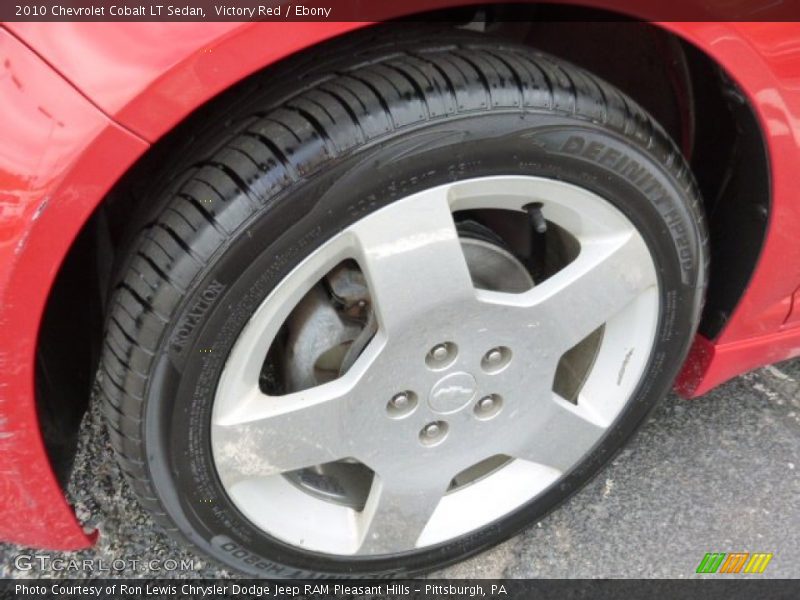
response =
{"points": [[685, 90]]}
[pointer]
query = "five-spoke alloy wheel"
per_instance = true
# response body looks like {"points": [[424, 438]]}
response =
{"points": [[479, 364]]}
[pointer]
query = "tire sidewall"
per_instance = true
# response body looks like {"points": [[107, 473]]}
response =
{"points": [[194, 348]]}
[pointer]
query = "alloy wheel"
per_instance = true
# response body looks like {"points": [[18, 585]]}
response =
{"points": [[444, 405]]}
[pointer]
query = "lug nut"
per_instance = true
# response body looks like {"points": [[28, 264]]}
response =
{"points": [[441, 356], [496, 359], [401, 405], [433, 433], [439, 352], [488, 406], [400, 401]]}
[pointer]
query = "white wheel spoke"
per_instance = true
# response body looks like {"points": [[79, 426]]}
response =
{"points": [[277, 434], [608, 274], [412, 259], [398, 508], [556, 433]]}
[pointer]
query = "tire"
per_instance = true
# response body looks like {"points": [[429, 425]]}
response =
{"points": [[287, 171]]}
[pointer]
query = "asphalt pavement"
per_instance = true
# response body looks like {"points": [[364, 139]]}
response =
{"points": [[716, 474]]}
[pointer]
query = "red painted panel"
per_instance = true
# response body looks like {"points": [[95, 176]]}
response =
{"points": [[710, 364], [765, 60], [58, 156], [149, 76], [793, 318]]}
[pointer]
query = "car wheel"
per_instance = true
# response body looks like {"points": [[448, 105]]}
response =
{"points": [[383, 322]]}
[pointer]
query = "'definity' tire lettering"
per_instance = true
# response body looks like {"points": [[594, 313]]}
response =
{"points": [[643, 178]]}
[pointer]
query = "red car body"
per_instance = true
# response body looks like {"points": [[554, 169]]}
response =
{"points": [[81, 102]]}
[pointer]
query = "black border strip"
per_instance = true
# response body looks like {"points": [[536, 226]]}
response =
{"points": [[710, 588], [381, 10]]}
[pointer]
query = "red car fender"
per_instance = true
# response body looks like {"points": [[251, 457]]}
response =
{"points": [[58, 156], [763, 58], [147, 78]]}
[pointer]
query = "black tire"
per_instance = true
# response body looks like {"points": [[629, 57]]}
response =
{"points": [[286, 170]]}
